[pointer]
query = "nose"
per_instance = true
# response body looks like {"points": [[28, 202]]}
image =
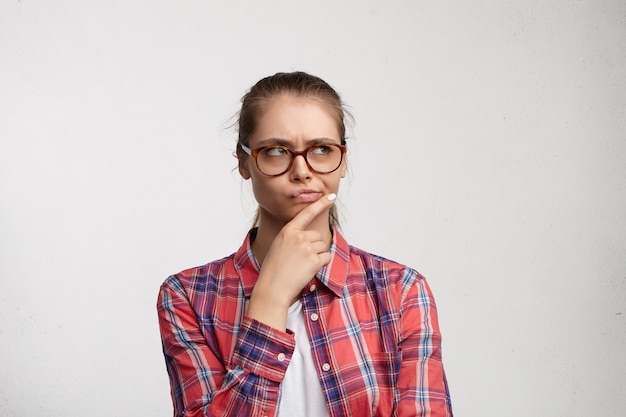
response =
{"points": [[299, 169]]}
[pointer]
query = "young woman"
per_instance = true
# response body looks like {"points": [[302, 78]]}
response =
{"points": [[297, 322]]}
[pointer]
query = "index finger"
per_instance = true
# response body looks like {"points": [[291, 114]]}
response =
{"points": [[310, 212]]}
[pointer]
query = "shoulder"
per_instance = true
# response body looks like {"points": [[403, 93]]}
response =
{"points": [[392, 286], [199, 278], [382, 270]]}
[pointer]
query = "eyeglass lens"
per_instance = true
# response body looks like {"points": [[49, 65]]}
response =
{"points": [[276, 160]]}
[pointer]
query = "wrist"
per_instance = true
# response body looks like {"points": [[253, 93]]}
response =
{"points": [[269, 307]]}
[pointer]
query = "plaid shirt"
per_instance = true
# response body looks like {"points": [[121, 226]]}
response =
{"points": [[372, 325]]}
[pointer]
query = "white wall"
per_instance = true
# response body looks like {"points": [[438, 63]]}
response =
{"points": [[489, 153]]}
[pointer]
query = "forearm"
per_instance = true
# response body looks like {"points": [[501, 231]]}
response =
{"points": [[269, 305], [206, 381]]}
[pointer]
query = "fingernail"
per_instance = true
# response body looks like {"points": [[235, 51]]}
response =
{"points": [[332, 196]]}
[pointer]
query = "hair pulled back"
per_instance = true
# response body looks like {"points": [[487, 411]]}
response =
{"points": [[300, 84]]}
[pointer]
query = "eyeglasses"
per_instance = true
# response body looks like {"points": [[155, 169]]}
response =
{"points": [[273, 161]]}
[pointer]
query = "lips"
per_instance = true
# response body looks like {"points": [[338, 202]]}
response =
{"points": [[306, 196]]}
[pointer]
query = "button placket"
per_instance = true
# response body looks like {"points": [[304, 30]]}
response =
{"points": [[321, 357]]}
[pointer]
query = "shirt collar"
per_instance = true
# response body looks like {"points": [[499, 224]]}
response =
{"points": [[333, 275]]}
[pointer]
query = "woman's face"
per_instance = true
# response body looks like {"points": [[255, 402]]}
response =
{"points": [[294, 122]]}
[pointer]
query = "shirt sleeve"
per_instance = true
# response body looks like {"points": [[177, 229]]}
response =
{"points": [[422, 385], [202, 382]]}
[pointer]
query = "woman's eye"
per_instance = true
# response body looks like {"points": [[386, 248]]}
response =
{"points": [[322, 150], [276, 151]]}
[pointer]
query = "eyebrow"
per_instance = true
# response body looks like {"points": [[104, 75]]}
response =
{"points": [[286, 143]]}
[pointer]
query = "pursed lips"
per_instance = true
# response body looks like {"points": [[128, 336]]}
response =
{"points": [[307, 195], [307, 191]]}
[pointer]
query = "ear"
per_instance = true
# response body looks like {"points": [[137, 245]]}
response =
{"points": [[244, 171], [344, 167]]}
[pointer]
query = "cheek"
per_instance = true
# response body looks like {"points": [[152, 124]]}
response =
{"points": [[261, 187]]}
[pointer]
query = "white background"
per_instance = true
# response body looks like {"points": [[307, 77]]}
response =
{"points": [[489, 153]]}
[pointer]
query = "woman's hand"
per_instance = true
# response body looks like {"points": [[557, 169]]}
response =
{"points": [[295, 256]]}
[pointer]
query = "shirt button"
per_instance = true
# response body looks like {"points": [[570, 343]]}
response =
{"points": [[326, 367], [314, 317], [313, 287], [281, 357]]}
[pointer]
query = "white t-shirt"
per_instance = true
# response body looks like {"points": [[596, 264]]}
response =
{"points": [[301, 390]]}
